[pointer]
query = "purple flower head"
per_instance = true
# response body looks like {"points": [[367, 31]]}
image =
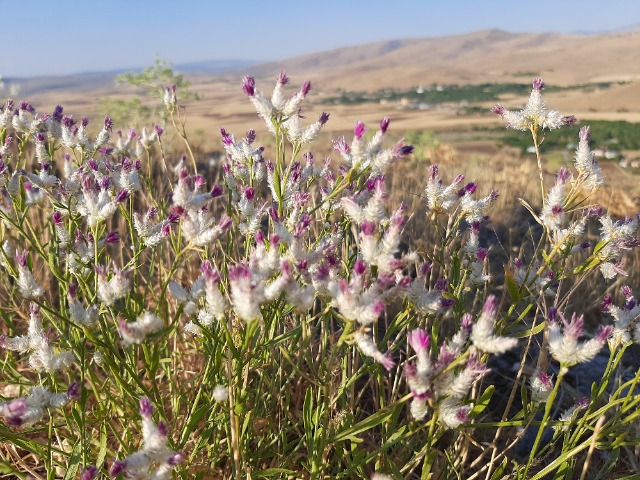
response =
{"points": [[21, 258], [274, 239], [490, 306], [227, 138], [89, 473], [481, 254], [211, 275], [26, 106], [419, 340], [475, 366], [68, 121], [41, 137], [562, 176], [57, 218], [162, 429], [569, 120], [442, 285], [117, 468], [57, 114], [84, 122], [273, 213], [582, 403], [74, 391], [282, 78], [462, 414], [165, 229], [225, 222], [556, 209], [368, 228], [447, 302], [596, 211], [249, 85], [108, 123], [127, 164], [146, 408], [433, 171], [112, 237], [410, 370], [239, 271], [538, 84], [552, 314], [626, 291], [341, 146], [498, 109], [93, 164], [324, 118], [466, 322], [584, 134], [122, 196], [17, 407], [401, 150], [175, 458], [424, 269], [359, 129], [387, 362], [360, 267], [445, 357], [216, 191], [470, 188], [159, 130], [198, 181], [249, 193], [604, 332], [304, 89], [378, 307], [384, 124], [574, 328], [73, 290], [176, 213], [545, 380], [250, 136]]}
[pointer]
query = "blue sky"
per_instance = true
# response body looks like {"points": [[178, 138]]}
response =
{"points": [[58, 37]]}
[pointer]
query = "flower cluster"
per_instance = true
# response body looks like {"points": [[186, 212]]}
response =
{"points": [[25, 411], [42, 356], [154, 459], [564, 344], [535, 114], [626, 318], [443, 384]]}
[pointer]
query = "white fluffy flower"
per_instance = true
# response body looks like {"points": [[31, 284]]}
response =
{"points": [[137, 331]]}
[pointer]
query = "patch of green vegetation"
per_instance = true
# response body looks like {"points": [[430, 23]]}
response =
{"points": [[150, 82], [422, 141], [615, 135], [435, 93]]}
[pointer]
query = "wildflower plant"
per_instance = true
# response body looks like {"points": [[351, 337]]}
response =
{"points": [[276, 321]]}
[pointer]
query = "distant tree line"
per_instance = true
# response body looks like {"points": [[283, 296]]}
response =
{"points": [[436, 93], [615, 135]]}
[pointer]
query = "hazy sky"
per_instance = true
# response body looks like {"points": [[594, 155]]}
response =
{"points": [[56, 37]]}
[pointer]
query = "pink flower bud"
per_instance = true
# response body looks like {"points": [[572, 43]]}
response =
{"points": [[146, 408], [419, 340]]}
